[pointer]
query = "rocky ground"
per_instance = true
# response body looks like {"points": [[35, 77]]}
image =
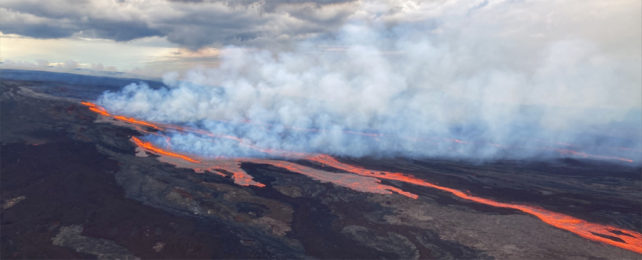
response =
{"points": [[72, 187]]}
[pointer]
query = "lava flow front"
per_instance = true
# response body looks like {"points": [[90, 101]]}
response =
{"points": [[627, 239], [358, 179], [149, 146]]}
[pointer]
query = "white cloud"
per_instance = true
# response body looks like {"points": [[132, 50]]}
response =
{"points": [[514, 73]]}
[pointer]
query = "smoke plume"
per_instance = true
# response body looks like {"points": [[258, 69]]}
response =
{"points": [[455, 80]]}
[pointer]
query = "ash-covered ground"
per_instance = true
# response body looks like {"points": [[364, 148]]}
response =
{"points": [[73, 187]]}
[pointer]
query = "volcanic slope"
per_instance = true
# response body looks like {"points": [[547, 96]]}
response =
{"points": [[71, 182]]}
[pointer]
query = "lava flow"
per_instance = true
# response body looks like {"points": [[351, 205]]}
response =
{"points": [[366, 180], [592, 156], [274, 152], [355, 182], [232, 167], [626, 239], [102, 111], [220, 166], [149, 146]]}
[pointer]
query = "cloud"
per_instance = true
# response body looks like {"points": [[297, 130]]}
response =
{"points": [[71, 66], [458, 79], [515, 73], [59, 19], [195, 24], [192, 24]]}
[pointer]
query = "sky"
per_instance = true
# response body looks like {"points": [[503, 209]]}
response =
{"points": [[151, 38], [496, 73]]}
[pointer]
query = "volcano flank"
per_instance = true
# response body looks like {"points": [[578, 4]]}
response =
{"points": [[80, 181]]}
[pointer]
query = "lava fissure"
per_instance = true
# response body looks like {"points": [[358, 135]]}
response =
{"points": [[149, 146], [630, 240], [275, 152], [365, 180]]}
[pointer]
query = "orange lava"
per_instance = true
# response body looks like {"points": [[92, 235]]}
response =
{"points": [[219, 166], [629, 240], [102, 111], [150, 147], [305, 129], [136, 121], [367, 180], [458, 141], [563, 151], [223, 167], [593, 156], [240, 141], [358, 183]]}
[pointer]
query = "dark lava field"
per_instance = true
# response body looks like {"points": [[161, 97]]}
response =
{"points": [[71, 186]]}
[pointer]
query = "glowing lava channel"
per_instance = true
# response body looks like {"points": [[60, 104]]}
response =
{"points": [[102, 111], [223, 166], [149, 146], [367, 180], [630, 240], [355, 182]]}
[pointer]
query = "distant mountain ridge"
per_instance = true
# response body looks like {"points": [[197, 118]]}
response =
{"points": [[71, 78], [79, 86]]}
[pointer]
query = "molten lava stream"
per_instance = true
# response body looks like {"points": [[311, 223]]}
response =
{"points": [[592, 156], [102, 111], [626, 239], [354, 182], [218, 166], [222, 166], [629, 240], [149, 146]]}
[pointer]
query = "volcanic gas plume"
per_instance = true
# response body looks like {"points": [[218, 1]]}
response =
{"points": [[456, 85], [423, 90], [352, 177]]}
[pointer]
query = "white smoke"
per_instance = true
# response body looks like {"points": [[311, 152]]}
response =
{"points": [[496, 75]]}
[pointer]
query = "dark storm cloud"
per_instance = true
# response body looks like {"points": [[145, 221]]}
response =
{"points": [[119, 30], [192, 24], [59, 19]]}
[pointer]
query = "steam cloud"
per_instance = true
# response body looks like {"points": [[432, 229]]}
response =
{"points": [[498, 77]]}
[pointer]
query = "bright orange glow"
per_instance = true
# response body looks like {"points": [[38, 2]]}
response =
{"points": [[459, 141], [304, 129], [240, 141], [93, 107], [367, 180], [102, 111], [358, 183], [137, 122], [223, 167], [150, 147], [562, 151], [246, 143], [630, 240], [593, 156]]}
